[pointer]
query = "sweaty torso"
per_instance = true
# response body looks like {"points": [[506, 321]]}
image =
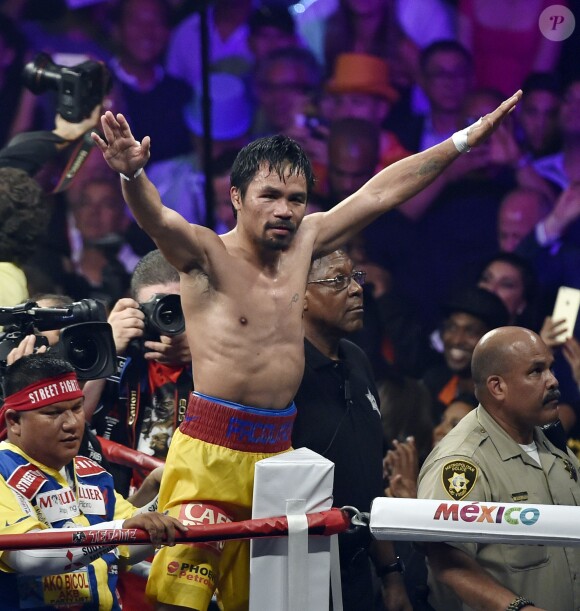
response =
{"points": [[244, 326]]}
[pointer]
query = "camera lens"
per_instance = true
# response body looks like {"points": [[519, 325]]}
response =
{"points": [[166, 315], [41, 74], [83, 353], [90, 348]]}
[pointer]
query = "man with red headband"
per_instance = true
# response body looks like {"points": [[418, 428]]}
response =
{"points": [[45, 484]]}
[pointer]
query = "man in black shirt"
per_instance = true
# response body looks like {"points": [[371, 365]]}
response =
{"points": [[339, 418]]}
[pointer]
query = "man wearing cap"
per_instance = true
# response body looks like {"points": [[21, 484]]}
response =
{"points": [[45, 485], [360, 88], [498, 453], [468, 315]]}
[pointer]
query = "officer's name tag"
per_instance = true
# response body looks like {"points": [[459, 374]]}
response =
{"points": [[91, 500], [58, 504]]}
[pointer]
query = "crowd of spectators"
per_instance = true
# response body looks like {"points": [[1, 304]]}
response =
{"points": [[359, 84]]}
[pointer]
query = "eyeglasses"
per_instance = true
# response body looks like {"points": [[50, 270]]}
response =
{"points": [[341, 281]]}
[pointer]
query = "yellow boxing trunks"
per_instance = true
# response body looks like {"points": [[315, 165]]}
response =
{"points": [[209, 478]]}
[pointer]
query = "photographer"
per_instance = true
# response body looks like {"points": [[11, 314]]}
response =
{"points": [[143, 409], [29, 344], [26, 170]]}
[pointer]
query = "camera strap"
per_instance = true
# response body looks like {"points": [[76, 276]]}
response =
{"points": [[136, 390], [77, 154]]}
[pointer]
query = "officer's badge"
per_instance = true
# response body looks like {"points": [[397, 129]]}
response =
{"points": [[458, 478], [571, 469]]}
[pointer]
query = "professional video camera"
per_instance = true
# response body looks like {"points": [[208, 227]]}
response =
{"points": [[163, 316], [79, 88], [86, 340]]}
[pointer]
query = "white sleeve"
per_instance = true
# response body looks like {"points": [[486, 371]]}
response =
{"points": [[54, 561]]}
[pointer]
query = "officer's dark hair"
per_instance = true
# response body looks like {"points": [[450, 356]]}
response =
{"points": [[443, 46], [153, 268], [33, 368], [278, 153], [24, 215]]}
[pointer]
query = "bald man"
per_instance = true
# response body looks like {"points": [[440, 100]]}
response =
{"points": [[531, 225], [519, 213], [498, 453]]}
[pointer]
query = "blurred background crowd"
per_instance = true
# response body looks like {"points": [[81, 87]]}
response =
{"points": [[359, 84]]}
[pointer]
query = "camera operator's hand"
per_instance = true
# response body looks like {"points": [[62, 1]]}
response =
{"points": [[128, 323], [172, 350], [73, 131], [121, 151], [24, 348]]}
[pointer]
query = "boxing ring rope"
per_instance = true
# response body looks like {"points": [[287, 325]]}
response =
{"points": [[389, 519], [323, 523], [299, 551], [122, 455]]}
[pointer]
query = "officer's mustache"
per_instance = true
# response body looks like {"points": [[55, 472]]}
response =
{"points": [[553, 395]]}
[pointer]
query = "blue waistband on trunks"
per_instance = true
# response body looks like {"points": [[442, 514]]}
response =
{"points": [[238, 427]]}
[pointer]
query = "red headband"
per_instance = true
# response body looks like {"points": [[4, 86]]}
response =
{"points": [[45, 392]]}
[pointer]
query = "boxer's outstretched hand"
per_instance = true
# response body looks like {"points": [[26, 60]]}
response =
{"points": [[121, 151], [481, 130]]}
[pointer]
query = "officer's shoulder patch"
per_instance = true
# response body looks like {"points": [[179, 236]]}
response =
{"points": [[458, 478]]}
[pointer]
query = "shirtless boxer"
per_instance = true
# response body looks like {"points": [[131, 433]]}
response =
{"points": [[242, 295]]}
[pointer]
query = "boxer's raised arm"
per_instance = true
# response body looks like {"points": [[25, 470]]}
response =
{"points": [[397, 183], [183, 245]]}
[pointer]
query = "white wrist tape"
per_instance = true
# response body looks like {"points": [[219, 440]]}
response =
{"points": [[137, 173], [460, 138]]}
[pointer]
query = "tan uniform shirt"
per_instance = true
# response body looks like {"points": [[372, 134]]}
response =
{"points": [[479, 461]]}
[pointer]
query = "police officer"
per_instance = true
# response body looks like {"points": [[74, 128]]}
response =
{"points": [[498, 453]]}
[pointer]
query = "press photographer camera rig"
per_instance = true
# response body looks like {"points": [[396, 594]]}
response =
{"points": [[79, 88], [163, 316], [86, 340]]}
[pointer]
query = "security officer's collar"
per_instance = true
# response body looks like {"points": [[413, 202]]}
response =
{"points": [[506, 446]]}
